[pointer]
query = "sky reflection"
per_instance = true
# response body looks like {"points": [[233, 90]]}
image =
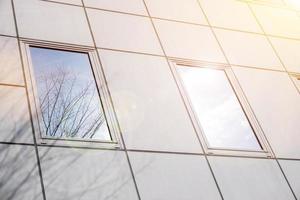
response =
{"points": [[218, 109]]}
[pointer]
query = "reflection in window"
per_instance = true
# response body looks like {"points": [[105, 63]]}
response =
{"points": [[218, 109], [69, 101]]}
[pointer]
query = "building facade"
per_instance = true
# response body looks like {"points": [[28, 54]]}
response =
{"points": [[149, 99]]}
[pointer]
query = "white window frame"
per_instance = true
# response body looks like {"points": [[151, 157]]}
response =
{"points": [[266, 150], [104, 96]]}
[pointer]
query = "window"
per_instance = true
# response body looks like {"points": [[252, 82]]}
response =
{"points": [[68, 96], [223, 121]]}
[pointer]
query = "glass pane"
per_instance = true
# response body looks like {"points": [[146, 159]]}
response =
{"points": [[218, 109], [69, 100]]}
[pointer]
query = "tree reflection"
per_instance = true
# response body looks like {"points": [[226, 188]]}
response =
{"points": [[68, 97], [68, 111]]}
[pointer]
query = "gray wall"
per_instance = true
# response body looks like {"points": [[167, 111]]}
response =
{"points": [[162, 158]]}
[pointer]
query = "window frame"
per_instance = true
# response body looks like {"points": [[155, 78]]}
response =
{"points": [[104, 96], [245, 106]]}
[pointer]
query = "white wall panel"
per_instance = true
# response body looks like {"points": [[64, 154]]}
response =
{"points": [[10, 63], [14, 116], [51, 21], [294, 4], [173, 176], [248, 49], [275, 101], [7, 24], [273, 2], [86, 174], [291, 169], [277, 21], [19, 173], [129, 6], [181, 10], [248, 179], [188, 41], [289, 52], [230, 14], [125, 32], [149, 108]]}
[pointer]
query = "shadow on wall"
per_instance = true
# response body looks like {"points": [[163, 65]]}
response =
{"points": [[68, 173], [19, 178]]}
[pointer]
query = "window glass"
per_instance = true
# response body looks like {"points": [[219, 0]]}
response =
{"points": [[69, 100], [218, 110]]}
